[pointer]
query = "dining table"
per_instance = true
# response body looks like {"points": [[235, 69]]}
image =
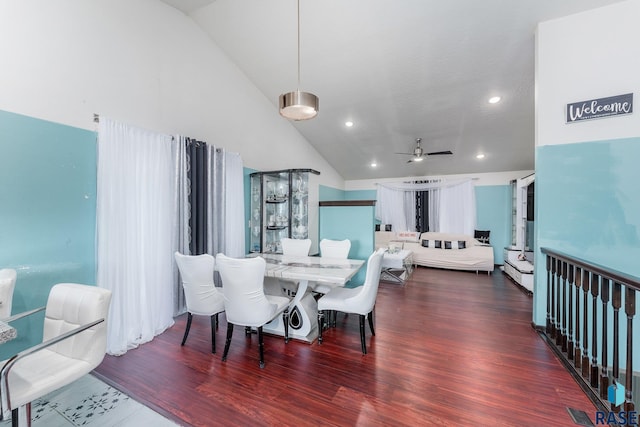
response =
{"points": [[305, 270]]}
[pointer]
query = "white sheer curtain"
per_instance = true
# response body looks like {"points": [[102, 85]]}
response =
{"points": [[452, 206], [135, 232], [434, 209], [390, 208], [409, 210], [458, 209]]}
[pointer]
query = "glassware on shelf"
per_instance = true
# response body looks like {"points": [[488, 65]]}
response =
{"points": [[282, 208]]}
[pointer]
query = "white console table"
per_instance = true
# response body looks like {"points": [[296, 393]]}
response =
{"points": [[521, 271]]}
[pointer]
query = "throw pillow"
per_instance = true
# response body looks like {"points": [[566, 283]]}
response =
{"points": [[482, 235], [387, 227], [377, 227], [408, 236], [429, 243], [456, 244]]}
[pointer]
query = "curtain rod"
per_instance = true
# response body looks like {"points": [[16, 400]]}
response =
{"points": [[96, 119]]}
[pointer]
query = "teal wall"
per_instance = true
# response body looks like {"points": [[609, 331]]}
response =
{"points": [[588, 202], [47, 219], [493, 212], [588, 206], [355, 223]]}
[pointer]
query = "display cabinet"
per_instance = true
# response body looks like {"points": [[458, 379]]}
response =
{"points": [[283, 204]]}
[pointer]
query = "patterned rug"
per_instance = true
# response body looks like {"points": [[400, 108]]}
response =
{"points": [[90, 402]]}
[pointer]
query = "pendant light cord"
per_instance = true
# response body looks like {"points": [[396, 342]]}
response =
{"points": [[298, 44]]}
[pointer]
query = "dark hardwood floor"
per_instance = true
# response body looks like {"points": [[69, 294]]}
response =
{"points": [[451, 349]]}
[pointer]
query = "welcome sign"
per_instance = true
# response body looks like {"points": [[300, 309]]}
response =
{"points": [[601, 107]]}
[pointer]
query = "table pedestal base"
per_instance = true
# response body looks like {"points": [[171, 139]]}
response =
{"points": [[303, 320]]}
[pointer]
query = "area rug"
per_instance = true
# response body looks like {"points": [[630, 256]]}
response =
{"points": [[91, 402]]}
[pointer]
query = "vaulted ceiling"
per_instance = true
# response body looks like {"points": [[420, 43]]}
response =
{"points": [[398, 70]]}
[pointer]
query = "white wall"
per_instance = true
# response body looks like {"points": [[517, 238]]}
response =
{"points": [[144, 63], [581, 60]]}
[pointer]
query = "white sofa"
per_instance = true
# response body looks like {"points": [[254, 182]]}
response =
{"points": [[475, 256]]}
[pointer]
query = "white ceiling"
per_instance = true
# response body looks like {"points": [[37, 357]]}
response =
{"points": [[400, 70]]}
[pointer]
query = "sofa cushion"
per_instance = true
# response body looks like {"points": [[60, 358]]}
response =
{"points": [[470, 241], [482, 236], [456, 244], [444, 244], [408, 236], [434, 244], [383, 227]]}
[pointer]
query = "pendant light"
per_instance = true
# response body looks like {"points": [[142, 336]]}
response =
{"points": [[298, 105]]}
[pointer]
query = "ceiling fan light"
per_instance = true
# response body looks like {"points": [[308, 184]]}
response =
{"points": [[418, 159], [299, 105]]}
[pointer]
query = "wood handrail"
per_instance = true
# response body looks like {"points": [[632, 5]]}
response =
{"points": [[615, 275]]}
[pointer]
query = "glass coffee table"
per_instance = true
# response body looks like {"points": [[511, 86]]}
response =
{"points": [[397, 266]]}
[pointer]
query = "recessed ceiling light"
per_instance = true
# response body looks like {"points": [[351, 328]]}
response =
{"points": [[348, 124], [480, 156], [494, 99], [374, 164]]}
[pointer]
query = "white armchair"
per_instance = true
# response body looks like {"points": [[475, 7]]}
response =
{"points": [[360, 300], [7, 285], [245, 301], [74, 343], [201, 295]]}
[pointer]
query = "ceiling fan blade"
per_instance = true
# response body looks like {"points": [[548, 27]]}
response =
{"points": [[410, 161], [439, 153], [408, 154]]}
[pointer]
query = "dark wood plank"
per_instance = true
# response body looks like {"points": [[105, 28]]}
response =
{"points": [[451, 349]]}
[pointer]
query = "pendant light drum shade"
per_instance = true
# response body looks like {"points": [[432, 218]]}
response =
{"points": [[299, 105]]}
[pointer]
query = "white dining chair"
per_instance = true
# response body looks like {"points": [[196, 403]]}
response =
{"points": [[7, 286], [201, 295], [360, 300], [298, 247], [335, 248], [74, 342], [293, 247], [338, 249], [245, 302]]}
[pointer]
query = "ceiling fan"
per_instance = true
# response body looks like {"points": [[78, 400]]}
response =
{"points": [[418, 153]]}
